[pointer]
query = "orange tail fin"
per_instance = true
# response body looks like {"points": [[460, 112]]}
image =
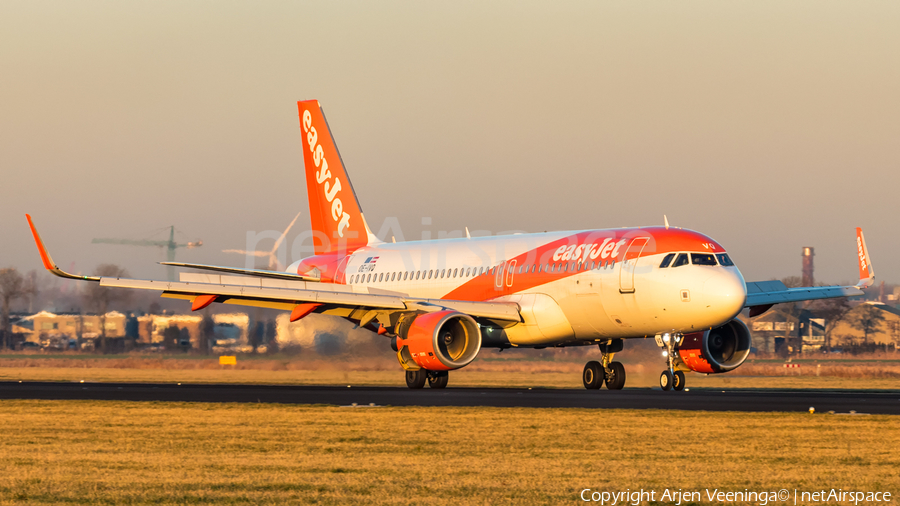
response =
{"points": [[866, 271], [336, 216]]}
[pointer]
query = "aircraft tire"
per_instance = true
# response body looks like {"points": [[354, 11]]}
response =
{"points": [[666, 380], [438, 379], [592, 376], [678, 381], [615, 378], [416, 379]]}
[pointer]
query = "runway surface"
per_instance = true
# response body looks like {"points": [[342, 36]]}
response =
{"points": [[839, 401]]}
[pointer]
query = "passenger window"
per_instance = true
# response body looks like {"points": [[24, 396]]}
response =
{"points": [[393, 276], [666, 261], [381, 277], [724, 260], [703, 259], [612, 264], [430, 272], [681, 260]]}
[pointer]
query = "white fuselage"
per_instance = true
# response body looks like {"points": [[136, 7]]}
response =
{"points": [[582, 286]]}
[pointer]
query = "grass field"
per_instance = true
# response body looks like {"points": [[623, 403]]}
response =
{"points": [[384, 371], [462, 378], [88, 452]]}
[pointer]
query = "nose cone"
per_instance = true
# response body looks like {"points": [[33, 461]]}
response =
{"points": [[725, 292]]}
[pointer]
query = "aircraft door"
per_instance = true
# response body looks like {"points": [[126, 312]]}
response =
{"points": [[499, 274], [510, 272], [629, 262]]}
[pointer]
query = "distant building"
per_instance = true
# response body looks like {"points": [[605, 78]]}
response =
{"points": [[57, 330], [777, 332], [230, 328]]}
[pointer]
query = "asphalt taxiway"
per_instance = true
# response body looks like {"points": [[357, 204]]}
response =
{"points": [[838, 401]]}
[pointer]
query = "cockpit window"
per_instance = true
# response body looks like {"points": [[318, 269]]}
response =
{"points": [[724, 260], [666, 261], [703, 259], [681, 260]]}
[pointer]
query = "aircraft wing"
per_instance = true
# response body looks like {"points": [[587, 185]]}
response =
{"points": [[338, 300], [762, 295], [291, 293]]}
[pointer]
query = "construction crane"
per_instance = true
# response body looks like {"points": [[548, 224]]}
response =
{"points": [[170, 246], [274, 264]]}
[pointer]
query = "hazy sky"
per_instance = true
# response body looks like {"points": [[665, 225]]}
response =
{"points": [[767, 125]]}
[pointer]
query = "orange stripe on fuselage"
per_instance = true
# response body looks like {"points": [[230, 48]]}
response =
{"points": [[590, 246]]}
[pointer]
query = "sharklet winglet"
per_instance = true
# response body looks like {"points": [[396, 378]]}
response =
{"points": [[48, 261]]}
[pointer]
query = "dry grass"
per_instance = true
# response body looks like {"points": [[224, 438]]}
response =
{"points": [[167, 453], [555, 370], [492, 370], [466, 377]]}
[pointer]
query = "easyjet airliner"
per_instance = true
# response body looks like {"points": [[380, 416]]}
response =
{"points": [[439, 302]]}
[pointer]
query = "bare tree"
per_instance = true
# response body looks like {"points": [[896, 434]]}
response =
{"points": [[30, 289], [207, 333], [866, 318], [98, 298], [10, 289], [833, 311]]}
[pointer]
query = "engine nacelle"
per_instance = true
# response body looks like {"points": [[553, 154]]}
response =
{"points": [[721, 349], [439, 341]]}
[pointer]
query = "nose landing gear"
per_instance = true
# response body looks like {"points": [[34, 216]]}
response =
{"points": [[670, 379]]}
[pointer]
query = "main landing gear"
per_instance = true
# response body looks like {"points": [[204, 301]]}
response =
{"points": [[435, 379], [670, 379], [606, 371]]}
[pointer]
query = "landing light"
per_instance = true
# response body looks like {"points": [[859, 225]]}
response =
{"points": [[666, 337], [665, 353]]}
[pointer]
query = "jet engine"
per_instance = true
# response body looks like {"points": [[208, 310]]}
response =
{"points": [[439, 341], [721, 349]]}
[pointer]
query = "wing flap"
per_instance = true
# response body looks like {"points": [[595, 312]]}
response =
{"points": [[259, 273]]}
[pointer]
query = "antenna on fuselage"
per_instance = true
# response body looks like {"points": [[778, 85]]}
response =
{"points": [[666, 221], [467, 233]]}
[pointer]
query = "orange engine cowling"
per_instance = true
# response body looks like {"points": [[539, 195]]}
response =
{"points": [[717, 350], [439, 341]]}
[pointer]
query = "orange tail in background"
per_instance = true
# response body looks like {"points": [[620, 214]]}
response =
{"points": [[866, 271], [334, 210]]}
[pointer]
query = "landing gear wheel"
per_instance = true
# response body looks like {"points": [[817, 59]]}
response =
{"points": [[615, 376], [592, 377], [678, 381], [438, 379], [666, 380], [416, 379]]}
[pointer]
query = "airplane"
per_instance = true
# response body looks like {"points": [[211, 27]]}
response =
{"points": [[439, 302]]}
